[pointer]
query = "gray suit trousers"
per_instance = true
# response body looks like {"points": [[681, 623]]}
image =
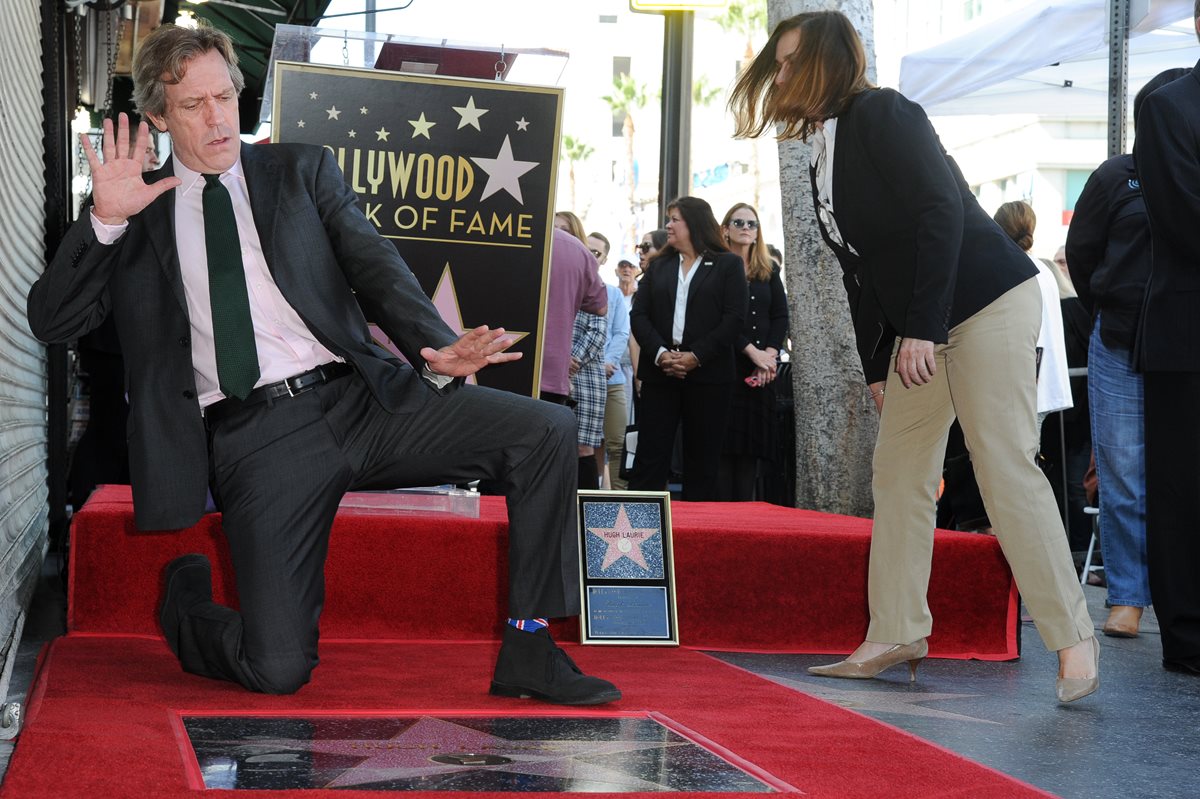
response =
{"points": [[279, 470]]}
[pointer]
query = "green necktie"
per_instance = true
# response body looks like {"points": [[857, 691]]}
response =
{"points": [[233, 331]]}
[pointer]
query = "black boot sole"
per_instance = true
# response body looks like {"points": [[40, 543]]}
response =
{"points": [[517, 692], [170, 614]]}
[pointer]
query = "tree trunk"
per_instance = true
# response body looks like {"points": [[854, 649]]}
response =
{"points": [[836, 423]]}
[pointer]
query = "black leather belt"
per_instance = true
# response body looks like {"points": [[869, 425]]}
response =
{"points": [[297, 384]]}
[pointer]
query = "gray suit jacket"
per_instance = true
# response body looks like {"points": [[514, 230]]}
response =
{"points": [[328, 261]]}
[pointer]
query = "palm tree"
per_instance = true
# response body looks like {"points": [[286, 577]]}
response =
{"points": [[573, 150], [748, 18], [628, 96]]}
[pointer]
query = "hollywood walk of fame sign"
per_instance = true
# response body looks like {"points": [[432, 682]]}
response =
{"points": [[458, 174], [627, 570]]}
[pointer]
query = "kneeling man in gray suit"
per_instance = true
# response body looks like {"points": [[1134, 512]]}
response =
{"points": [[240, 279]]}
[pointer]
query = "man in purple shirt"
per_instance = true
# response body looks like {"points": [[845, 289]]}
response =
{"points": [[575, 285]]}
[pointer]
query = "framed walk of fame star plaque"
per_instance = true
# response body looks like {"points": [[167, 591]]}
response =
{"points": [[627, 568]]}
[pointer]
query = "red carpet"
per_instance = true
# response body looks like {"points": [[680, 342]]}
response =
{"points": [[99, 723], [750, 577]]}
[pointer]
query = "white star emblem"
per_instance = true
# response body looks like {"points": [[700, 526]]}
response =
{"points": [[522, 124], [363, 110], [333, 112], [351, 134], [469, 114], [382, 134], [300, 124], [313, 95], [421, 126], [504, 172]]}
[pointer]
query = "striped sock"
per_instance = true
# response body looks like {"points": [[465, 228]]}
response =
{"points": [[529, 625]]}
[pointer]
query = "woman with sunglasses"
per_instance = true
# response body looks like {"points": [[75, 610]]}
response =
{"points": [[648, 250], [946, 312], [687, 314], [751, 436]]}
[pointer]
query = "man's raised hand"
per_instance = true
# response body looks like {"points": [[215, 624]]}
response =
{"points": [[473, 351], [118, 191]]}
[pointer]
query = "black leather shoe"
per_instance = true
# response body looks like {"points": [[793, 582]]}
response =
{"points": [[1181, 666], [188, 583], [531, 665]]}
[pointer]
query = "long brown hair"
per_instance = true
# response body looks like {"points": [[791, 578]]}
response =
{"points": [[574, 225], [829, 67], [759, 266]]}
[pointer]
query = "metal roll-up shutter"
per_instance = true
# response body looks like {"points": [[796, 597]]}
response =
{"points": [[23, 492]]}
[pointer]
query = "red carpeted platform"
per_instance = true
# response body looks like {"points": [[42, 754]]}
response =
{"points": [[751, 577], [101, 720]]}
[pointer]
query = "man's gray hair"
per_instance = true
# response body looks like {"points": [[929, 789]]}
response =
{"points": [[163, 58]]}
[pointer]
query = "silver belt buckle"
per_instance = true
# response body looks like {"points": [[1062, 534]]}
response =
{"points": [[319, 377]]}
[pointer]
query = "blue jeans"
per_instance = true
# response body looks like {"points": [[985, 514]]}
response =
{"points": [[1118, 438]]}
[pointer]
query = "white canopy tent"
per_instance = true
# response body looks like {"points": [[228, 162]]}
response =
{"points": [[1048, 58]]}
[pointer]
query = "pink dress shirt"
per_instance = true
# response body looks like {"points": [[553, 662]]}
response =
{"points": [[285, 345]]}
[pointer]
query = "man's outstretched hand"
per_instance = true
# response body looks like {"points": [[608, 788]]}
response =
{"points": [[118, 191], [475, 350]]}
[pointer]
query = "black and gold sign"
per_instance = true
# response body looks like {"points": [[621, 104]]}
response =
{"points": [[459, 174]]}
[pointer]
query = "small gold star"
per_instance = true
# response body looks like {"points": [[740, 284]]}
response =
{"points": [[468, 114], [421, 126]]}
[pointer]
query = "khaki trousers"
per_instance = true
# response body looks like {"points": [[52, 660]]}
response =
{"points": [[985, 376], [616, 419]]}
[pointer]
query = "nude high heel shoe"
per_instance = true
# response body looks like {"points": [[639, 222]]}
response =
{"points": [[1071, 688], [912, 654]]}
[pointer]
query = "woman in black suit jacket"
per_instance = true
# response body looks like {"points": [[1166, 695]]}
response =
{"points": [[751, 439], [946, 314], [687, 314]]}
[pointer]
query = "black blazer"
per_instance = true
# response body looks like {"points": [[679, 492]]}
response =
{"points": [[320, 250], [1108, 249], [1168, 164], [766, 320], [716, 310], [928, 256]]}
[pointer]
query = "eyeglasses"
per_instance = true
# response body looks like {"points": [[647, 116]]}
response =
{"points": [[643, 248], [749, 224], [597, 253]]}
